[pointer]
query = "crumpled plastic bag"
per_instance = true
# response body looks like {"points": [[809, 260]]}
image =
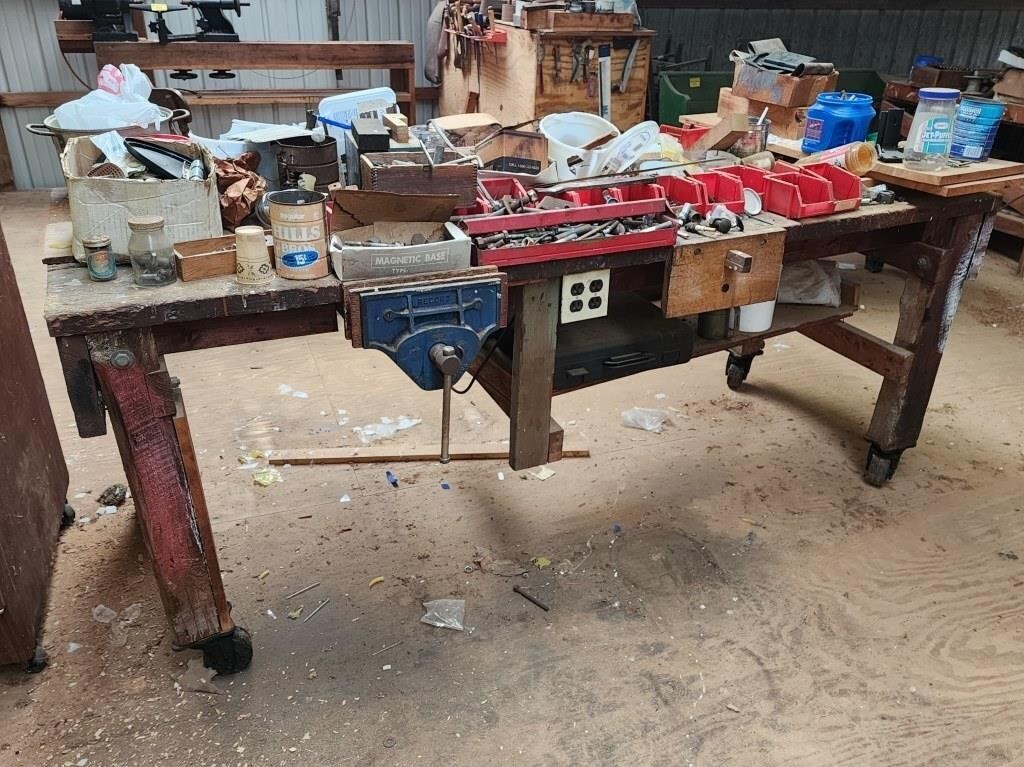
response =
{"points": [[121, 99], [386, 429], [240, 187], [810, 282], [445, 613], [646, 418]]}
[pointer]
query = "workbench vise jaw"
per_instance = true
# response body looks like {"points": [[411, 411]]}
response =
{"points": [[412, 322]]}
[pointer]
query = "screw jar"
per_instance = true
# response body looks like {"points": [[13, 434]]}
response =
{"points": [[100, 261], [931, 133], [151, 252]]}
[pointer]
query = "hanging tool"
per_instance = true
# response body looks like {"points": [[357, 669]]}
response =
{"points": [[540, 65], [604, 79], [578, 65], [627, 67], [556, 74], [589, 79]]}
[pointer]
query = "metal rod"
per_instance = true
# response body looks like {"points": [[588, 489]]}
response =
{"points": [[385, 649], [303, 591], [317, 609], [530, 597], [446, 419]]}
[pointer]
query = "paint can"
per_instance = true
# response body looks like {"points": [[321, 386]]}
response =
{"points": [[298, 222]]}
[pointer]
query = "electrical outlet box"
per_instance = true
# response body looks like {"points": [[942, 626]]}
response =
{"points": [[585, 295]]}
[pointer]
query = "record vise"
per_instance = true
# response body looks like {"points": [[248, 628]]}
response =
{"points": [[430, 325]]}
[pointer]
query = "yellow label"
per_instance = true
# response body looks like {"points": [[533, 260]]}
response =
{"points": [[158, 7], [694, 82]]}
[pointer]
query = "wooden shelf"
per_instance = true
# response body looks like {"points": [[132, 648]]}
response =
{"points": [[789, 318]]}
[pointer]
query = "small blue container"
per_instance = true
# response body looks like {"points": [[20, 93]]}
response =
{"points": [[837, 119], [974, 130]]}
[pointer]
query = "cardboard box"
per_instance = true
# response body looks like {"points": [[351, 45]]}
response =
{"points": [[776, 88], [1011, 84], [515, 151], [447, 248], [104, 205]]}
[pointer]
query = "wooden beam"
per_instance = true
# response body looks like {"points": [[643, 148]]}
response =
{"points": [[342, 455], [229, 331], [83, 390], [535, 307], [384, 54], [6, 166], [888, 360]]}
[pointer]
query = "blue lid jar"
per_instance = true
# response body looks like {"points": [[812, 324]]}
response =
{"points": [[938, 94]]}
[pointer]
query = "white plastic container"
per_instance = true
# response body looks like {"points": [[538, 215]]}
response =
{"points": [[567, 133], [931, 132], [757, 318], [345, 107]]}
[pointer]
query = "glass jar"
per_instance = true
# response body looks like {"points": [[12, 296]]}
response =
{"points": [[931, 132], [151, 252], [100, 261]]}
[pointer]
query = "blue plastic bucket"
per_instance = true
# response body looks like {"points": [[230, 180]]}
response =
{"points": [[836, 119], [974, 130]]}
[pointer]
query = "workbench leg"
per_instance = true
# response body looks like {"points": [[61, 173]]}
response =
{"points": [[159, 462], [927, 309], [535, 309]]}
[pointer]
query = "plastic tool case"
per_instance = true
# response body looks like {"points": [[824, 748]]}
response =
{"points": [[634, 337]]}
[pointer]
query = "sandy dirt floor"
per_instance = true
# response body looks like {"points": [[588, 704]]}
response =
{"points": [[728, 592]]}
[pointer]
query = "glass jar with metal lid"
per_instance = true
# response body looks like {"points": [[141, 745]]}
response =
{"points": [[100, 261], [151, 252]]}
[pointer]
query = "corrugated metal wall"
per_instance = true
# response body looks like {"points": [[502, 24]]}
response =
{"points": [[885, 40], [30, 61]]}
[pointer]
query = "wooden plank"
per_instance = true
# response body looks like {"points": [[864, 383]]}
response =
{"points": [[535, 308], [412, 454], [729, 129], [204, 98], [578, 23], [698, 280], [141, 403], [229, 331], [789, 318], [898, 173], [33, 475], [1010, 223], [202, 513], [787, 122], [382, 54], [118, 305], [990, 185], [6, 166], [83, 390], [888, 360]]}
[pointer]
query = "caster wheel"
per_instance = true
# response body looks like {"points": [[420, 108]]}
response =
{"points": [[40, 659], [230, 653], [735, 375], [67, 517], [880, 467], [874, 264]]}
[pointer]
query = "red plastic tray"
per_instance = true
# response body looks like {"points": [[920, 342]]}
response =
{"points": [[687, 136], [723, 189], [682, 189], [752, 178], [565, 250], [799, 195], [845, 185]]}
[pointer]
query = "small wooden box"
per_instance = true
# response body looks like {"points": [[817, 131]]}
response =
{"points": [[697, 279], [777, 88], [389, 172], [211, 257], [584, 23], [786, 122]]}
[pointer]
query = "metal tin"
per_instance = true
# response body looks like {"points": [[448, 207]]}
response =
{"points": [[301, 155], [298, 223]]}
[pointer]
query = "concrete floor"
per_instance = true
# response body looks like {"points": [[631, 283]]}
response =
{"points": [[725, 593]]}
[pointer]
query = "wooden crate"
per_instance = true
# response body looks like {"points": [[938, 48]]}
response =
{"points": [[586, 23], [516, 81], [787, 122], [387, 172], [777, 88]]}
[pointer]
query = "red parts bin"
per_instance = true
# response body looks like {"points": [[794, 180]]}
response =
{"points": [[752, 178], [799, 195], [687, 135], [723, 189], [845, 185]]}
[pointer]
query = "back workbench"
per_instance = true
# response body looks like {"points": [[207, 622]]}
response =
{"points": [[113, 339]]}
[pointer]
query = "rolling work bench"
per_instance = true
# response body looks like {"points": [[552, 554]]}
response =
{"points": [[113, 338]]}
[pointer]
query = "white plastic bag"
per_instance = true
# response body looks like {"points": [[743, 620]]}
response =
{"points": [[646, 418], [445, 613], [121, 100]]}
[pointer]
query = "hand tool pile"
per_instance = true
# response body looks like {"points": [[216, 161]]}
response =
{"points": [[572, 232]]}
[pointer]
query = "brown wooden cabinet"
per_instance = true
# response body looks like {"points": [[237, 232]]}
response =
{"points": [[33, 476]]}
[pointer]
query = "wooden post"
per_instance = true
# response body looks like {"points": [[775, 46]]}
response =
{"points": [[6, 167], [140, 398], [535, 306], [927, 309]]}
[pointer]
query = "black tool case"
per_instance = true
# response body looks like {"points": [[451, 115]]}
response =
{"points": [[634, 337]]}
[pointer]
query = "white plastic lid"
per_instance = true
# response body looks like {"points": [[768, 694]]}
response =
{"points": [[942, 94]]}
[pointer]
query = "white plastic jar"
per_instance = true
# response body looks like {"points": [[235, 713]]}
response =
{"points": [[931, 132]]}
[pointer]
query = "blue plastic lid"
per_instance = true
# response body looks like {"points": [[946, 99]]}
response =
{"points": [[941, 94], [844, 97], [926, 61]]}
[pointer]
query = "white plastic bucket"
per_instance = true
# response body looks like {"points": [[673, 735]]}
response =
{"points": [[757, 318], [567, 133]]}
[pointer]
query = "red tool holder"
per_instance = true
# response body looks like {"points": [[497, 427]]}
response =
{"points": [[811, 190], [752, 178], [589, 206]]}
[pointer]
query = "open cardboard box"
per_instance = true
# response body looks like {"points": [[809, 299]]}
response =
{"points": [[361, 215], [191, 209]]}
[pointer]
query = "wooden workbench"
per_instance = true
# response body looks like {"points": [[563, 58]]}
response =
{"points": [[113, 339]]}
